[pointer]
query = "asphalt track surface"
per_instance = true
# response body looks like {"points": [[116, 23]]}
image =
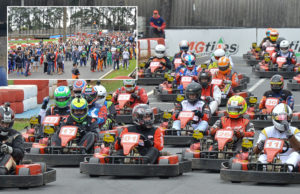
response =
{"points": [[85, 72], [69, 180]]}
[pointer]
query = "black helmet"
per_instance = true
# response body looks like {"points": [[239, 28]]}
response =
{"points": [[277, 83], [139, 114], [193, 88], [204, 75], [7, 115]]}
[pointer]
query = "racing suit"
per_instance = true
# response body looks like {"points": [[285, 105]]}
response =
{"points": [[284, 96], [201, 118], [87, 134], [269, 43], [291, 59], [185, 72], [232, 77], [289, 157], [166, 64], [216, 94], [263, 41], [8, 161], [150, 147], [138, 96]]}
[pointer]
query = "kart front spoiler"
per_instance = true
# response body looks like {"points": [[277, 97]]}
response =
{"points": [[57, 159], [20, 181], [207, 164], [136, 170], [150, 81], [228, 174], [127, 119]]}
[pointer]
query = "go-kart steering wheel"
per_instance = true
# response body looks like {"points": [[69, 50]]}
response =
{"points": [[287, 145]]}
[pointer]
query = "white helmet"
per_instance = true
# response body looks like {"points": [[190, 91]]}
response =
{"points": [[129, 85], [101, 93], [281, 112], [219, 53], [184, 45], [284, 46], [160, 51]]}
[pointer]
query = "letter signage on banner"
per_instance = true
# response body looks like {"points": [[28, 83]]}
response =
{"points": [[204, 41]]}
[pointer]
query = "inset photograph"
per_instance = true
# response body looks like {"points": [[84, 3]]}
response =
{"points": [[72, 42]]}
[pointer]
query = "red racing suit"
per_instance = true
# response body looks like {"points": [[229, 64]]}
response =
{"points": [[142, 97]]}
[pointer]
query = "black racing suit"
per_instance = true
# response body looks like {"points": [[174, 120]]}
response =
{"points": [[87, 132]]}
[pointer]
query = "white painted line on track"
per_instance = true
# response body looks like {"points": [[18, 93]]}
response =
{"points": [[106, 74], [150, 93], [256, 85]]}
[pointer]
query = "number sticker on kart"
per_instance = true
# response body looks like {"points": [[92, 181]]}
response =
{"points": [[270, 49], [124, 97], [177, 60], [273, 144], [224, 134], [216, 81], [186, 114], [186, 79], [272, 102], [281, 59], [154, 64], [68, 131], [51, 120], [130, 138]]}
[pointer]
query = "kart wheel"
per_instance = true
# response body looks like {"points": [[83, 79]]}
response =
{"points": [[92, 175], [94, 161], [34, 151], [236, 166], [24, 172], [230, 162], [43, 166], [163, 177], [163, 161]]}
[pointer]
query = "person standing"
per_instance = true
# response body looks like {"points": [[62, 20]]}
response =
{"points": [[158, 25]]}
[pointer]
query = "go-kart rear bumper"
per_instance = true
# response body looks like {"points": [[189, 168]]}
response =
{"points": [[228, 174], [57, 159], [136, 170], [178, 140], [127, 119], [293, 85], [28, 181], [207, 164], [269, 74], [150, 81]]}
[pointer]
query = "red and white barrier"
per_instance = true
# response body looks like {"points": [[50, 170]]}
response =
{"points": [[146, 47]]}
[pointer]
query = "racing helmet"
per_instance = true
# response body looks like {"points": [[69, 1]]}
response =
{"points": [[236, 107], [204, 78], [224, 65], [281, 112], [90, 94], [284, 46], [79, 109], [184, 45], [274, 35], [193, 92], [62, 96], [78, 86], [7, 118], [129, 85], [268, 32], [219, 53], [142, 115], [277, 83], [189, 61], [101, 94], [160, 51]]}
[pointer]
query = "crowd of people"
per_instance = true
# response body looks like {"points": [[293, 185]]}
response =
{"points": [[101, 49]]}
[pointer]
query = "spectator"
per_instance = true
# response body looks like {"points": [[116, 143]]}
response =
{"points": [[158, 25]]}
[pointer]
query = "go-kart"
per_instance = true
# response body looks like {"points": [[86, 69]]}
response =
{"points": [[66, 154], [267, 70], [209, 154], [255, 57], [32, 135], [294, 84], [262, 118], [250, 53], [124, 110], [154, 75], [249, 169], [132, 163]]}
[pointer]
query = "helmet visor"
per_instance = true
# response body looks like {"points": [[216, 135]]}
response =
{"points": [[223, 68], [235, 109], [281, 117]]}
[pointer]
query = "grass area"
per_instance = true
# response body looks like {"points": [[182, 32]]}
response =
{"points": [[29, 41], [121, 71], [112, 85], [10, 82], [20, 124]]}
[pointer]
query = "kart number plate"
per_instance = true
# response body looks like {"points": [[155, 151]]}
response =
{"points": [[273, 144], [216, 81], [186, 114], [272, 102], [177, 60], [48, 130], [154, 64], [68, 131], [130, 138], [270, 49], [224, 134], [186, 79], [50, 120], [281, 59], [124, 97]]}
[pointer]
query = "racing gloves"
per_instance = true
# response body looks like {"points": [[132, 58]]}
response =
{"points": [[45, 102], [261, 144], [6, 149]]}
